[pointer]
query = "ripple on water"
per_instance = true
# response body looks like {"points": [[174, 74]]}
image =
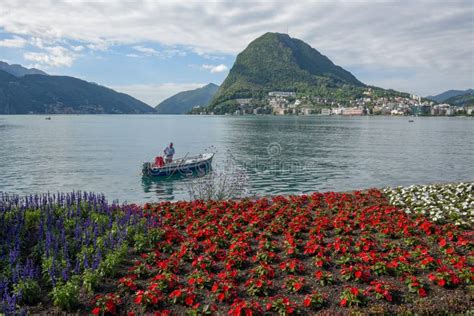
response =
{"points": [[105, 153]]}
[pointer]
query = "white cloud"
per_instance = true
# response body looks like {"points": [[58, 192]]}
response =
{"points": [[433, 38], [134, 55], [206, 55], [78, 48], [153, 94], [15, 42], [99, 45], [215, 68], [55, 56], [148, 52]]}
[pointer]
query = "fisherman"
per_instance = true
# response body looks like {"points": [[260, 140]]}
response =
{"points": [[169, 153]]}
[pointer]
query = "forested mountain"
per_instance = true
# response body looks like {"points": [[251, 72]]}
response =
{"points": [[276, 61], [185, 101], [60, 94], [20, 71], [442, 97]]}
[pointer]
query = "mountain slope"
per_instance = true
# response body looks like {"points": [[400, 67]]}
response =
{"points": [[276, 61], [466, 99], [20, 71], [442, 97], [184, 102], [60, 94]]}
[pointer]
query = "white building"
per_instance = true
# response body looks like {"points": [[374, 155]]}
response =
{"points": [[244, 101], [325, 111], [337, 111], [281, 94], [306, 111]]}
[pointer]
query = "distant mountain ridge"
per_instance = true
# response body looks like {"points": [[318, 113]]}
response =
{"points": [[466, 99], [185, 101], [277, 62], [442, 97], [42, 94], [20, 71]]}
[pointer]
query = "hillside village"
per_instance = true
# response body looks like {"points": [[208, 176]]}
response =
{"points": [[289, 103]]}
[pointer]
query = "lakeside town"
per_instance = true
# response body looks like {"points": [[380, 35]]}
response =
{"points": [[289, 103]]}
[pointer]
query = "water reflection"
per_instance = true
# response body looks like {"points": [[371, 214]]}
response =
{"points": [[162, 188], [296, 154]]}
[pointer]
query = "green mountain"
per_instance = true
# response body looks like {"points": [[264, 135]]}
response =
{"points": [[185, 101], [442, 97], [20, 71], [277, 62], [60, 94], [466, 99]]}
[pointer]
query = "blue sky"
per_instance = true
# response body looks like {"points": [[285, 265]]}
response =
{"points": [[153, 49]]}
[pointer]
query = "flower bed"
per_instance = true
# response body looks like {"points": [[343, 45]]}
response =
{"points": [[56, 248], [328, 252], [442, 203]]}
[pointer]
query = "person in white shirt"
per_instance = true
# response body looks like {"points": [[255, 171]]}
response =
{"points": [[169, 153]]}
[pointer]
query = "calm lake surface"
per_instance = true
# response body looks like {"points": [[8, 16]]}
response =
{"points": [[278, 155]]}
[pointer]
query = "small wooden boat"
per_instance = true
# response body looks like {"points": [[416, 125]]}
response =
{"points": [[410, 121], [183, 166], [48, 118]]}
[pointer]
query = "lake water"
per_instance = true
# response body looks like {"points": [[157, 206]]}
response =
{"points": [[278, 155]]}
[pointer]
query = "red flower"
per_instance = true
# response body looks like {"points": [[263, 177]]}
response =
{"points": [[358, 274], [221, 297], [343, 302], [441, 282], [96, 311], [189, 300], [110, 306], [422, 292], [354, 291], [455, 279], [138, 299], [307, 301], [298, 286], [442, 242]]}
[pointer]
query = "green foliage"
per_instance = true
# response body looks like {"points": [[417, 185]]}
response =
{"points": [[90, 280], [66, 295], [108, 266], [144, 241], [32, 218], [30, 291]]}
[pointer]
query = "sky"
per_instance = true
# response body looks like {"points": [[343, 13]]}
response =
{"points": [[153, 49]]}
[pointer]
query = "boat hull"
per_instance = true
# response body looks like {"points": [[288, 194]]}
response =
{"points": [[182, 167]]}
